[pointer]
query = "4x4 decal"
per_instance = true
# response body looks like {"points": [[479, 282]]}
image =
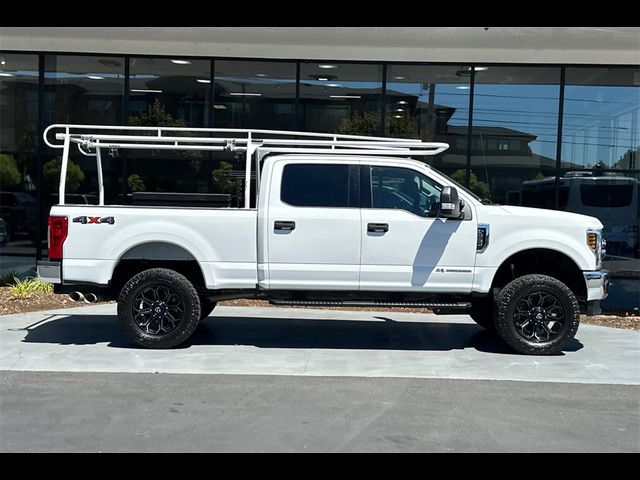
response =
{"points": [[94, 220]]}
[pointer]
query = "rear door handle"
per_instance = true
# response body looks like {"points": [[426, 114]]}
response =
{"points": [[378, 227], [285, 226]]}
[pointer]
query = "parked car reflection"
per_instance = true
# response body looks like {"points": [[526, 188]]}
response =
{"points": [[19, 211], [4, 233]]}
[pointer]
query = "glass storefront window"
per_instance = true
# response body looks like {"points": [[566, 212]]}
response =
{"points": [[19, 213], [258, 95], [83, 90], [601, 127], [431, 103], [600, 145], [341, 98], [514, 134], [513, 144], [86, 90], [169, 92]]}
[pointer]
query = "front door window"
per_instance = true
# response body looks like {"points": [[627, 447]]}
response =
{"points": [[404, 189]]}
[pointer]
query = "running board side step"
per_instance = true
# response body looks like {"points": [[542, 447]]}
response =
{"points": [[442, 307]]}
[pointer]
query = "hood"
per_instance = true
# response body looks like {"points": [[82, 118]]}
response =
{"points": [[544, 216]]}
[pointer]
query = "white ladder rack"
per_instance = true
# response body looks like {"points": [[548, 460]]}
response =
{"points": [[91, 140]]}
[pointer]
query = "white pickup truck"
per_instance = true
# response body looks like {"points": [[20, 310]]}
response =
{"points": [[336, 221]]}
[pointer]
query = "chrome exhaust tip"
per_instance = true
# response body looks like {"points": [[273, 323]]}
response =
{"points": [[91, 298], [77, 297]]}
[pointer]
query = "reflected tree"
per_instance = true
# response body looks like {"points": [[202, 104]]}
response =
{"points": [[479, 188], [51, 174], [222, 180], [368, 124], [9, 174], [135, 183]]}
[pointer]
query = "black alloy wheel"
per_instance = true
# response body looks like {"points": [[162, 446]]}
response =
{"points": [[537, 315], [159, 308]]}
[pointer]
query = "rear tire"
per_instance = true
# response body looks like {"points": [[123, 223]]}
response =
{"points": [[206, 307], [159, 309], [537, 315]]}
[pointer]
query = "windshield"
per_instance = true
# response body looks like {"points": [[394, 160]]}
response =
{"points": [[484, 201]]}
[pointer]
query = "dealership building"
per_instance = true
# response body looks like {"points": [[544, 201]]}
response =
{"points": [[547, 117]]}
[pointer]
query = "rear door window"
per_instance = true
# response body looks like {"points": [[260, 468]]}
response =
{"points": [[315, 185]]}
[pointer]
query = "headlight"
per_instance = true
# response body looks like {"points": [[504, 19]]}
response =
{"points": [[597, 244]]}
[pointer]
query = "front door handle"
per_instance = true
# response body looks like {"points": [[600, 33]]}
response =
{"points": [[378, 228], [285, 226]]}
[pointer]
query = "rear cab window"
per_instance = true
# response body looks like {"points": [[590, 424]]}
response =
{"points": [[319, 185]]}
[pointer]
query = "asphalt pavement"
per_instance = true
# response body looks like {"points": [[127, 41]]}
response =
{"points": [[61, 412]]}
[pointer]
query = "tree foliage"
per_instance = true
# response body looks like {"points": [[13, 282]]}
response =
{"points": [[51, 174], [135, 183], [479, 188], [156, 116], [9, 173], [222, 181], [360, 123], [368, 124]]}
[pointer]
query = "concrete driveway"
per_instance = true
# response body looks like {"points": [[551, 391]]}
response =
{"points": [[293, 342], [282, 380]]}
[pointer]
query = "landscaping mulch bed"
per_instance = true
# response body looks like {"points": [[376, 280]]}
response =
{"points": [[34, 303], [39, 302]]}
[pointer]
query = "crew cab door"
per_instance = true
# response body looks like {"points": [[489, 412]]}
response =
{"points": [[404, 246], [313, 226]]}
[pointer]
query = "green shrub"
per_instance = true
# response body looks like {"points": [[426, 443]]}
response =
{"points": [[51, 175], [222, 180], [22, 289], [135, 183], [8, 278], [9, 173]]}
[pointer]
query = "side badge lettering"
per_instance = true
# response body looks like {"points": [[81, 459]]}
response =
{"points": [[95, 220]]}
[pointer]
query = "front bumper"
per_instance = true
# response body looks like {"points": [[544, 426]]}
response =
{"points": [[597, 285], [50, 272]]}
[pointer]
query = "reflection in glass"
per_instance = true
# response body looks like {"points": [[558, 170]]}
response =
{"points": [[515, 130], [600, 145], [431, 103], [601, 127], [249, 94], [84, 90], [341, 98], [404, 189], [169, 93], [259, 95], [19, 211], [80, 89], [165, 93]]}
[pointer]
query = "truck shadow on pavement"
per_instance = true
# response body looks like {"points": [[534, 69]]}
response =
{"points": [[384, 334]]}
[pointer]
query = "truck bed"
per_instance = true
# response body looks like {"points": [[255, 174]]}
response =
{"points": [[222, 240]]}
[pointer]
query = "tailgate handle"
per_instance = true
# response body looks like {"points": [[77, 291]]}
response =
{"points": [[285, 226]]}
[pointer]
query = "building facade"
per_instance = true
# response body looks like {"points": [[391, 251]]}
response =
{"points": [[542, 117]]}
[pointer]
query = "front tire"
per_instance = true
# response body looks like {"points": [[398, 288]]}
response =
{"points": [[483, 312], [537, 315], [159, 309]]}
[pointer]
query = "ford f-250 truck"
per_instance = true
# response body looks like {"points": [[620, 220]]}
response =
{"points": [[335, 221]]}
